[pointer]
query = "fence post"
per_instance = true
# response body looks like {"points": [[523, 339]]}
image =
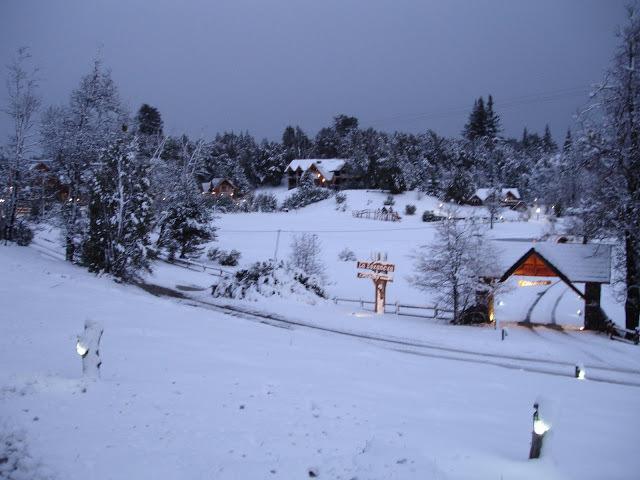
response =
{"points": [[361, 303], [435, 312], [397, 308]]}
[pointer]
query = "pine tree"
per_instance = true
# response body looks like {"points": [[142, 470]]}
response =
{"points": [[120, 212], [493, 120], [548, 144], [185, 220], [476, 127]]}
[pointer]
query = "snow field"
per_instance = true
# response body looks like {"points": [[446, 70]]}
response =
{"points": [[190, 393]]}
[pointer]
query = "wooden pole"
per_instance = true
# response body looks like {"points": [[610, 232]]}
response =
{"points": [[593, 318]]}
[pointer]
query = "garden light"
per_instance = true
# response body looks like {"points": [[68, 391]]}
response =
{"points": [[579, 372], [81, 348], [540, 428]]}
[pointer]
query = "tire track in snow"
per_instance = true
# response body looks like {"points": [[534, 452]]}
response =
{"points": [[513, 362]]}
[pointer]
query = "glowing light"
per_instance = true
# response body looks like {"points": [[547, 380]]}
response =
{"points": [[81, 349], [500, 303], [440, 205], [533, 283], [538, 210], [579, 312], [539, 427], [580, 373]]}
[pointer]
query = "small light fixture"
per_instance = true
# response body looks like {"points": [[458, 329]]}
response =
{"points": [[81, 349], [578, 312], [500, 303], [538, 210], [579, 372]]}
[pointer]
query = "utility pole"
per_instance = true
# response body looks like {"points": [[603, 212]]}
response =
{"points": [[275, 253]]}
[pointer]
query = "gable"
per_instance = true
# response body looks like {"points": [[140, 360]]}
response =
{"points": [[535, 266]]}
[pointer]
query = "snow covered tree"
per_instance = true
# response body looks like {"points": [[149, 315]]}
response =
{"points": [[548, 143], [74, 136], [23, 104], [493, 203], [305, 254], [611, 141], [185, 220], [492, 120], [120, 211], [454, 265]]}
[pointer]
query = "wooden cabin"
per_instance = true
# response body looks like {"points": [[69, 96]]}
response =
{"points": [[509, 197], [328, 173], [220, 187]]}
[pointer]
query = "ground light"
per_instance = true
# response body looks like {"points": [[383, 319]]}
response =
{"points": [[579, 372], [540, 428], [88, 347]]}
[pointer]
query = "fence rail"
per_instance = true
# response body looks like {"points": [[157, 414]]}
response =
{"points": [[404, 309], [380, 214], [215, 271]]}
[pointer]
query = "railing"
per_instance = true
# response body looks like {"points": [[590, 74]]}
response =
{"points": [[380, 214], [403, 309], [215, 271]]}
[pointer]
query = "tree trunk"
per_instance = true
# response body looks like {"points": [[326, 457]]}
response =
{"points": [[632, 303]]}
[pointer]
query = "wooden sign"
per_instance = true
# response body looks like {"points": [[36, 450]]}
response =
{"points": [[377, 266], [380, 276], [375, 276]]}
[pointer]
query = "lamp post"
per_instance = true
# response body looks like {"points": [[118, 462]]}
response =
{"points": [[540, 428]]}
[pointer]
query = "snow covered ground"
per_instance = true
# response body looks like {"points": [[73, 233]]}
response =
{"points": [[189, 391]]}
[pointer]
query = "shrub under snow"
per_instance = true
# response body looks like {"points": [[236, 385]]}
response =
{"points": [[267, 279], [16, 462]]}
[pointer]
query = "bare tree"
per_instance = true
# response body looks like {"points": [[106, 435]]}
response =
{"points": [[454, 265], [611, 145], [22, 107], [493, 204], [305, 252]]}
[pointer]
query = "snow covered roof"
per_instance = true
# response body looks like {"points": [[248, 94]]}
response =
{"points": [[326, 166], [215, 182], [483, 193], [578, 262]]}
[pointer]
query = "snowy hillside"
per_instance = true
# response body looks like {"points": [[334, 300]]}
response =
{"points": [[204, 388]]}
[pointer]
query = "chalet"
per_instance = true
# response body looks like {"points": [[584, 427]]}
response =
{"points": [[509, 197], [327, 172], [220, 187]]}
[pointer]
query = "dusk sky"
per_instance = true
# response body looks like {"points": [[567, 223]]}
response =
{"points": [[257, 65]]}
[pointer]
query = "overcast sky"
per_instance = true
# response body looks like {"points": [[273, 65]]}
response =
{"points": [[259, 65]]}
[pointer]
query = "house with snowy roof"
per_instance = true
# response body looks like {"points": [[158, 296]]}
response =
{"points": [[509, 197], [328, 172], [220, 187]]}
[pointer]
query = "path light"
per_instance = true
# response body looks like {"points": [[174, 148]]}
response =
{"points": [[579, 372], [88, 347], [578, 312], [540, 428]]}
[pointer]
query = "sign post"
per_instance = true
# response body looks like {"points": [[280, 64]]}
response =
{"points": [[380, 276]]}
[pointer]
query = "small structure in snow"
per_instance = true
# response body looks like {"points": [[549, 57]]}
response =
{"points": [[88, 347], [328, 172], [509, 197], [220, 187]]}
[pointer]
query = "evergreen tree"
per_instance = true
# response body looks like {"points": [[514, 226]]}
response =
{"points": [[476, 127], [568, 142], [548, 144], [149, 121], [493, 120], [185, 219], [120, 211]]}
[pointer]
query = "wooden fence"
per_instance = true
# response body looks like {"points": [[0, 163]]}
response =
{"points": [[383, 214], [215, 271], [403, 309]]}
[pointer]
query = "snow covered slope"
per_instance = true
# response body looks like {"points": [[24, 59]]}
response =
{"points": [[187, 392]]}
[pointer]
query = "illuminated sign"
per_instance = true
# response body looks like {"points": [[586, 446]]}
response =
{"points": [[533, 283]]}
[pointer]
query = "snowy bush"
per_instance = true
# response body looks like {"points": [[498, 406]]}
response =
{"points": [[229, 259], [264, 202], [347, 255], [16, 462], [267, 279], [305, 253], [306, 194], [341, 198], [409, 209], [389, 201]]}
